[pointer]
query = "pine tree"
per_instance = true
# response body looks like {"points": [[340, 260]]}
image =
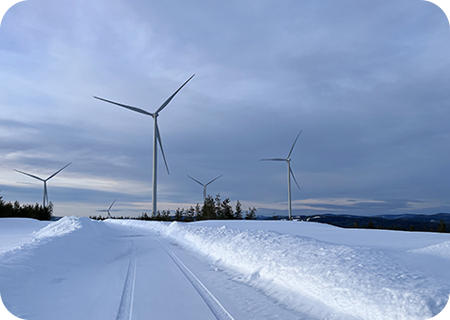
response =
{"points": [[179, 214], [190, 214], [218, 207], [251, 214], [238, 211], [165, 215], [209, 208], [198, 212], [226, 209], [441, 227]]}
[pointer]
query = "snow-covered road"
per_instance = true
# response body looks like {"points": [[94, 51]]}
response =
{"points": [[83, 269], [159, 284]]}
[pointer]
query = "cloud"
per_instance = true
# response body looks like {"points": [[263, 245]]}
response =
{"points": [[365, 81]]}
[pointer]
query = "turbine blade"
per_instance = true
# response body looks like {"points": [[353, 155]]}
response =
{"points": [[111, 205], [128, 107], [171, 97], [294, 144], [30, 175], [213, 180], [276, 159], [293, 176], [196, 180], [162, 150], [58, 171]]}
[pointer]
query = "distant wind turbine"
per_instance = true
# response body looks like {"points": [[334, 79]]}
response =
{"points": [[205, 185], [109, 214], [290, 172], [156, 134], [45, 200]]}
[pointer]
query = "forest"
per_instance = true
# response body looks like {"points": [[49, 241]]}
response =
{"points": [[213, 208]]}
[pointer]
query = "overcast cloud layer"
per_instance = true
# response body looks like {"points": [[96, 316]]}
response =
{"points": [[366, 81]]}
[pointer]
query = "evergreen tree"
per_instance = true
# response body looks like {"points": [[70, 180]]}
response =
{"points": [[238, 211], [190, 213], [441, 227], [251, 214], [226, 210], [179, 214], [198, 212], [218, 207], [209, 209], [165, 215]]}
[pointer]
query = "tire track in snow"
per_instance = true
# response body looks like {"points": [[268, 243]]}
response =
{"points": [[125, 311], [214, 305]]}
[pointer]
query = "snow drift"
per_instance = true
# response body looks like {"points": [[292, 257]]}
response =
{"points": [[327, 280]]}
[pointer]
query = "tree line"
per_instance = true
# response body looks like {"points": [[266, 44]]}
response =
{"points": [[17, 210], [213, 208]]}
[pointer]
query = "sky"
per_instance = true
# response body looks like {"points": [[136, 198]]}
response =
{"points": [[365, 81]]}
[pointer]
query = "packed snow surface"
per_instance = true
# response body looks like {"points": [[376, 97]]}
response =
{"points": [[76, 268]]}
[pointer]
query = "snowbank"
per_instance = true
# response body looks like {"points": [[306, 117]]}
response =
{"points": [[15, 232], [440, 250], [63, 270], [327, 280]]}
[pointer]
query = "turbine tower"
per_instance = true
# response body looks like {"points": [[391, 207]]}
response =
{"points": [[45, 200], [205, 185], [156, 135], [290, 172]]}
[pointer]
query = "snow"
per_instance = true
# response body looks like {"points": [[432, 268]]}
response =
{"points": [[77, 268]]}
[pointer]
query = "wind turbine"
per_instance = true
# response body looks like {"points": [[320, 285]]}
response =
{"points": [[109, 214], [156, 135], [205, 185], [45, 200], [290, 172]]}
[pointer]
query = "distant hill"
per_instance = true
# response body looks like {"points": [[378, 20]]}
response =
{"points": [[408, 222]]}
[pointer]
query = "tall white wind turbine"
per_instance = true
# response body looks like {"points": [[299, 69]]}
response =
{"points": [[156, 134], [45, 200], [290, 172], [205, 185]]}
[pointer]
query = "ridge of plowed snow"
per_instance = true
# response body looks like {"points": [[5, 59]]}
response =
{"points": [[363, 283], [441, 250], [59, 228]]}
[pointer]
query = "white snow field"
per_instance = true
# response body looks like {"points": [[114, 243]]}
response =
{"points": [[77, 268]]}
